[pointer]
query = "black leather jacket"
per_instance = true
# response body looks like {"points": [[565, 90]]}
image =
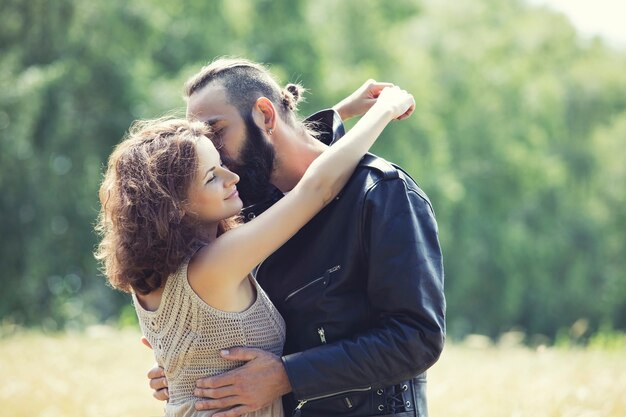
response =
{"points": [[361, 290]]}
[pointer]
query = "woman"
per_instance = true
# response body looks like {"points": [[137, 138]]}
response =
{"points": [[168, 238]]}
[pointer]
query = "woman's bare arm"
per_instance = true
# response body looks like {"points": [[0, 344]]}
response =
{"points": [[235, 253]]}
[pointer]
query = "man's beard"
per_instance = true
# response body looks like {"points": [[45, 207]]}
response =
{"points": [[255, 166]]}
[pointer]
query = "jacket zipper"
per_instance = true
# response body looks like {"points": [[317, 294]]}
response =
{"points": [[322, 334], [328, 272], [298, 409]]}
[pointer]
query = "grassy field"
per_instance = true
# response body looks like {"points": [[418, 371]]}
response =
{"points": [[100, 373]]}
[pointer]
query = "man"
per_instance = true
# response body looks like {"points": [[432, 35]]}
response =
{"points": [[360, 287]]}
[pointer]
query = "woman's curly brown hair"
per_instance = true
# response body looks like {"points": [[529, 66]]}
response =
{"points": [[146, 233]]}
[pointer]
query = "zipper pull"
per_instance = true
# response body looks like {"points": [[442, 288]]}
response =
{"points": [[298, 410], [322, 334], [334, 268]]}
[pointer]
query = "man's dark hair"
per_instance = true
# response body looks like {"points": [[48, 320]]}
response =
{"points": [[245, 81]]}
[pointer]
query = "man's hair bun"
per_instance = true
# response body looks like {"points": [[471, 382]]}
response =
{"points": [[292, 95]]}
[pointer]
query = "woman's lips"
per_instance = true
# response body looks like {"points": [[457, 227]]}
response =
{"points": [[232, 195]]}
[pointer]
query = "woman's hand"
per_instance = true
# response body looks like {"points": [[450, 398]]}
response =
{"points": [[357, 103], [396, 102]]}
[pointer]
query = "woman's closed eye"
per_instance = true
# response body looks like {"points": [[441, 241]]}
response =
{"points": [[213, 174]]}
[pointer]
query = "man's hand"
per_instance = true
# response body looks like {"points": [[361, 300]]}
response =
{"points": [[158, 383], [156, 375], [248, 388], [359, 102]]}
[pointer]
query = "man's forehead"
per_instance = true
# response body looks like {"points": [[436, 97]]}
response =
{"points": [[210, 111], [207, 97]]}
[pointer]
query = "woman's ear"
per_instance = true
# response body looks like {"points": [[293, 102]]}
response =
{"points": [[264, 114]]}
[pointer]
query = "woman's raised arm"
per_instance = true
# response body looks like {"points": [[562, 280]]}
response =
{"points": [[235, 253]]}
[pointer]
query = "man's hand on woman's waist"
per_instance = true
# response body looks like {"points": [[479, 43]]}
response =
{"points": [[250, 387]]}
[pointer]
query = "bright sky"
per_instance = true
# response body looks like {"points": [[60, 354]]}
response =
{"points": [[606, 18]]}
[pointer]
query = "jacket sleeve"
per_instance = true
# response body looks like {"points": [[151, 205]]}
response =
{"points": [[405, 290], [328, 125]]}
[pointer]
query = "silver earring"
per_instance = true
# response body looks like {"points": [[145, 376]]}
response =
{"points": [[270, 131]]}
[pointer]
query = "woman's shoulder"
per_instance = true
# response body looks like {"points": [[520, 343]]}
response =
{"points": [[153, 301]]}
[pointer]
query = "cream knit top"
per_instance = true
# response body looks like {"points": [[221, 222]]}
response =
{"points": [[187, 334]]}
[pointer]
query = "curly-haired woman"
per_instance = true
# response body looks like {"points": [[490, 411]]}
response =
{"points": [[168, 237]]}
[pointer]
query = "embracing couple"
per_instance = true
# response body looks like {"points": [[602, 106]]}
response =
{"points": [[271, 257]]}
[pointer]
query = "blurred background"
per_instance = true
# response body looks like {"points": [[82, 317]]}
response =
{"points": [[518, 138]]}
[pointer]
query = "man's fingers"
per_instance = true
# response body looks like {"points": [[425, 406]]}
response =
{"points": [[240, 354], [234, 412], [156, 372], [162, 394], [231, 377], [215, 393], [158, 383], [216, 403], [217, 381], [145, 342]]}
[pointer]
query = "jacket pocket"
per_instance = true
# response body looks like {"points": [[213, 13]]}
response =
{"points": [[319, 282]]}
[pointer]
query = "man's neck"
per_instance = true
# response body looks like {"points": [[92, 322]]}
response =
{"points": [[293, 159]]}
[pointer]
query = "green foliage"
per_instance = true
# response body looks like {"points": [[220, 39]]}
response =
{"points": [[605, 338], [608, 339], [127, 317], [517, 138]]}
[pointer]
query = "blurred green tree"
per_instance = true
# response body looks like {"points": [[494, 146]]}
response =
{"points": [[517, 138]]}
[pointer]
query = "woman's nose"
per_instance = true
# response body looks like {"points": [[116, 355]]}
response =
{"points": [[232, 179]]}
